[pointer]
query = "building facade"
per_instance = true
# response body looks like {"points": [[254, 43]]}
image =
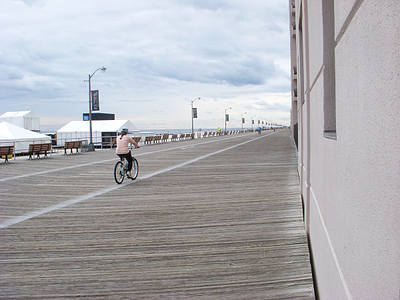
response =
{"points": [[345, 57]]}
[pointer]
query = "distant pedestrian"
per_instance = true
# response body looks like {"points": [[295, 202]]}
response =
{"points": [[259, 130], [123, 151]]}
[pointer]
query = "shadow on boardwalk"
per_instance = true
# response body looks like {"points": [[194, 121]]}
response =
{"points": [[206, 219]]}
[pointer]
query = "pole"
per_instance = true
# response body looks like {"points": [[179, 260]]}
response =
{"points": [[192, 112], [225, 121], [225, 118], [241, 119], [91, 146], [252, 122], [192, 115]]}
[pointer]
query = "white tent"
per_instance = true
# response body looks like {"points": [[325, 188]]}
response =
{"points": [[102, 131], [25, 119], [19, 137]]}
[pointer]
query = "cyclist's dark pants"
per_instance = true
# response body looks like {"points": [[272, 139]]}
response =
{"points": [[128, 157]]}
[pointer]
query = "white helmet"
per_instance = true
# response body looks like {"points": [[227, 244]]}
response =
{"points": [[124, 130]]}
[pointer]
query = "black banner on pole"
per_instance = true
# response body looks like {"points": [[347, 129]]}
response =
{"points": [[95, 100], [252, 121], [194, 112], [227, 117], [243, 120]]}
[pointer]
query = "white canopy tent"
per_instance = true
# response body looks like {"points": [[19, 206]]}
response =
{"points": [[101, 131], [24, 119], [19, 137]]}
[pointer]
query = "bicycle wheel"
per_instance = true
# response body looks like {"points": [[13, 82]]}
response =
{"points": [[119, 173], [135, 169]]}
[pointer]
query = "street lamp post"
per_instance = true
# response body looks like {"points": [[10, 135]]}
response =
{"points": [[225, 117], [241, 118], [252, 121], [91, 146], [192, 111]]}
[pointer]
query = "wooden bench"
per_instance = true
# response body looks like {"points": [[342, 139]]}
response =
{"points": [[6, 151], [149, 139], [174, 137], [38, 149], [137, 139], [165, 137], [157, 138], [72, 145]]}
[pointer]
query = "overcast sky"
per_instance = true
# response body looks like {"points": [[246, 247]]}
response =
{"points": [[159, 54]]}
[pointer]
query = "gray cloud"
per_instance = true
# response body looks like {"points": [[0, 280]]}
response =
{"points": [[152, 49], [266, 106]]}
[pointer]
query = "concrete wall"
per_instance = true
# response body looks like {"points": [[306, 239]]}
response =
{"points": [[350, 183]]}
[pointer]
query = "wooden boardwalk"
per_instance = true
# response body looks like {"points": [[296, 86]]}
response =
{"points": [[213, 218]]}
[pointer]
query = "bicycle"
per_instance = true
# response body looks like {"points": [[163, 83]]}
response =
{"points": [[121, 167]]}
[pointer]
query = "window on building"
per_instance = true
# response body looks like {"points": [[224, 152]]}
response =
{"points": [[328, 15]]}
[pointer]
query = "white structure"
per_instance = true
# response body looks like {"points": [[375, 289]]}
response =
{"points": [[19, 137], [25, 119], [346, 117], [102, 131]]}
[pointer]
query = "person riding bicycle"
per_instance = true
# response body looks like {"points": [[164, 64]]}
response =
{"points": [[123, 151]]}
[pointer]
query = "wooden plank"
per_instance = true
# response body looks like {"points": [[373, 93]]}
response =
{"points": [[228, 225]]}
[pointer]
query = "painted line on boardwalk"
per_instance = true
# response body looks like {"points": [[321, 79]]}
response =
{"points": [[51, 208]]}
